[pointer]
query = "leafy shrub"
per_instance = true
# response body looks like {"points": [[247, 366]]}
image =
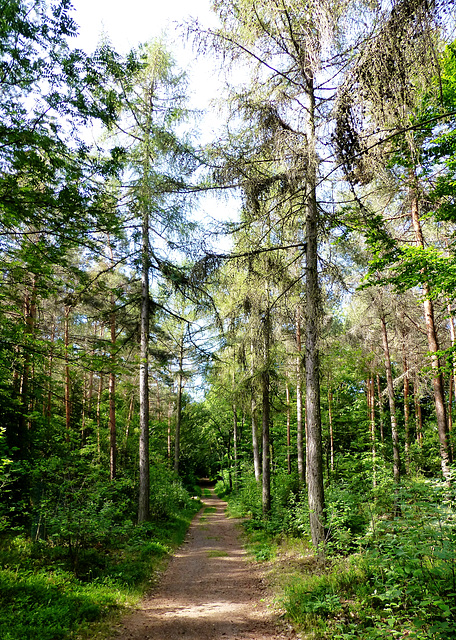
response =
{"points": [[167, 495], [403, 581], [246, 501], [345, 518]]}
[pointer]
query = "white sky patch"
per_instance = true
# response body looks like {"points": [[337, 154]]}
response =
{"points": [[126, 24], [129, 23]]}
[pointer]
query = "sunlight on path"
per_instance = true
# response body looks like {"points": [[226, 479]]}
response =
{"points": [[210, 590]]}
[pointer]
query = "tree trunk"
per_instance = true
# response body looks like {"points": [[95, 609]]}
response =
{"points": [[67, 374], [406, 410], [100, 391], [84, 409], [287, 391], [255, 443], [144, 471], [112, 379], [299, 411], [235, 446], [452, 378], [380, 409], [371, 414], [266, 485], [48, 410], [159, 403], [112, 396], [313, 412], [450, 411], [253, 411], [391, 401], [178, 407], [330, 419], [235, 425], [170, 415], [129, 417], [439, 397], [418, 414]]}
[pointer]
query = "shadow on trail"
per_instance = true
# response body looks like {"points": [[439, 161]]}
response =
{"points": [[209, 590]]}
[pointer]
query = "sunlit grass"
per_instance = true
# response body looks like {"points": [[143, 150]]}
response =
{"points": [[215, 553], [41, 598]]}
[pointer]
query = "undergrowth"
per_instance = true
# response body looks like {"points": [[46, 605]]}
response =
{"points": [[382, 577], [64, 584]]}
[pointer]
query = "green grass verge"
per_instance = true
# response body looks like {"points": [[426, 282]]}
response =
{"points": [[44, 594], [395, 577]]}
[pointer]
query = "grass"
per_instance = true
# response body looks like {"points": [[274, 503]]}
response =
{"points": [[215, 553], [395, 579], [42, 596]]}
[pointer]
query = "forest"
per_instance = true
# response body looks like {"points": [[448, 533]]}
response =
{"points": [[300, 355]]}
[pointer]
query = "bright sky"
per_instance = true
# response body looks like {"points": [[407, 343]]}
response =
{"points": [[129, 22]]}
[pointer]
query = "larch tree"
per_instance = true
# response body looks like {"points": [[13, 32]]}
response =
{"points": [[294, 55], [157, 159], [380, 113]]}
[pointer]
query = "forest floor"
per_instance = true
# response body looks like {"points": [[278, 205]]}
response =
{"points": [[209, 591]]}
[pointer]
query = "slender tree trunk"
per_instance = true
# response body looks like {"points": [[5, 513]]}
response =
{"points": [[112, 379], [67, 374], [266, 485], [31, 330], [178, 407], [391, 400], [418, 414], [450, 411], [170, 415], [253, 411], [330, 419], [406, 410], [144, 470], [371, 412], [24, 391], [299, 407], [287, 391], [380, 409], [127, 425], [84, 409], [439, 397], [100, 391], [230, 476], [235, 426], [48, 410], [452, 379], [235, 446], [90, 383], [313, 412], [24, 383], [255, 443], [159, 403], [112, 396]]}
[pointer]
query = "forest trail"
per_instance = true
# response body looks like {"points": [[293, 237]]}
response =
{"points": [[210, 591]]}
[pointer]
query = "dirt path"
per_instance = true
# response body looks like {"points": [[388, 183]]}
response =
{"points": [[209, 591]]}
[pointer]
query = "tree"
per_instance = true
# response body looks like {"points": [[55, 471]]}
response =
{"points": [[283, 42], [379, 112], [157, 160]]}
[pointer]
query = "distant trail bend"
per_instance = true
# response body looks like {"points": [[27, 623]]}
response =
{"points": [[209, 591]]}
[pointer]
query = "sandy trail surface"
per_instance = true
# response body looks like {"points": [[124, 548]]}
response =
{"points": [[209, 591]]}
